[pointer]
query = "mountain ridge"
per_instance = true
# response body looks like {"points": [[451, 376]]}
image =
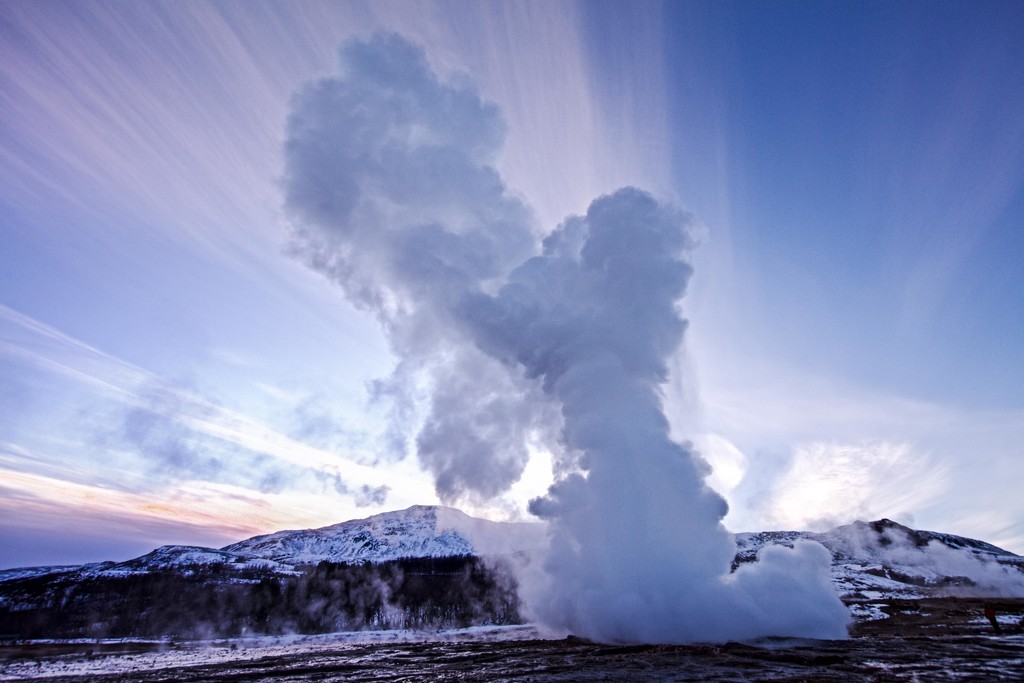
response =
{"points": [[869, 559]]}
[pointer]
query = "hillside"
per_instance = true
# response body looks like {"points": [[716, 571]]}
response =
{"points": [[428, 567]]}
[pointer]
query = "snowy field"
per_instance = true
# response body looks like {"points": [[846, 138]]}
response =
{"points": [[131, 657], [928, 640]]}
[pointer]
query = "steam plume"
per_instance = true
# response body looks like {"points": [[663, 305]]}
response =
{"points": [[562, 342]]}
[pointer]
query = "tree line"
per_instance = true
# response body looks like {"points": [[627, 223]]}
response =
{"points": [[218, 601]]}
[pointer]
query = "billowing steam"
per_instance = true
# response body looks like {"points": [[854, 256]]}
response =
{"points": [[518, 341]]}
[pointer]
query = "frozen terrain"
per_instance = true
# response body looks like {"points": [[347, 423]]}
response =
{"points": [[918, 599], [940, 640]]}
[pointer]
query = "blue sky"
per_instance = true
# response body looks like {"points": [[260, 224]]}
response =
{"points": [[874, 154], [169, 374]]}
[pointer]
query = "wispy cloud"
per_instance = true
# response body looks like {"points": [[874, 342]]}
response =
{"points": [[802, 435], [48, 519], [827, 484], [144, 421]]}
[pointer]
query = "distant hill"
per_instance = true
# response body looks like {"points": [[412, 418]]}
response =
{"points": [[884, 560], [426, 566], [419, 531]]}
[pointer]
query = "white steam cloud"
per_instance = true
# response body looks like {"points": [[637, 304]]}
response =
{"points": [[560, 343]]}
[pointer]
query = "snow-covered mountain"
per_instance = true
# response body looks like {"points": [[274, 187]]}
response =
{"points": [[421, 568], [884, 559], [870, 560], [419, 531]]}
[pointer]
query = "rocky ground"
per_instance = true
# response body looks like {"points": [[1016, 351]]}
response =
{"points": [[934, 639]]}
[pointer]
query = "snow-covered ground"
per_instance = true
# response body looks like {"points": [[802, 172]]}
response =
{"points": [[173, 654], [943, 642]]}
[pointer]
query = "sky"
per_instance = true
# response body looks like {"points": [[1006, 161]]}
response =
{"points": [[171, 371]]}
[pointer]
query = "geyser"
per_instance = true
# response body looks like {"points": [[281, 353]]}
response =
{"points": [[561, 342]]}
